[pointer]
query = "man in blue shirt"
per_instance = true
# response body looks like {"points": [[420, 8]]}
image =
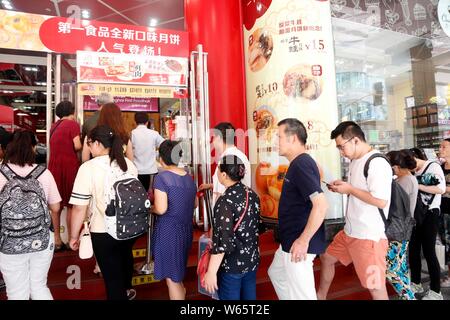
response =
{"points": [[301, 212]]}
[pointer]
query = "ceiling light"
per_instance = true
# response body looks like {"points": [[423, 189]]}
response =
{"points": [[19, 101], [153, 22], [85, 14], [7, 6]]}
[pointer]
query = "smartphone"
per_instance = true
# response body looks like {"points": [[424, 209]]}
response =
{"points": [[328, 184]]}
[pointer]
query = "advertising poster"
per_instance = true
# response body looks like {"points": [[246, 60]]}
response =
{"points": [[101, 67], [25, 31], [290, 73]]}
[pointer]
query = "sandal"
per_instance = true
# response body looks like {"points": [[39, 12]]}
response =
{"points": [[60, 247]]}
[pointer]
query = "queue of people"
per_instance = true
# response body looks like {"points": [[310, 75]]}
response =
{"points": [[106, 147]]}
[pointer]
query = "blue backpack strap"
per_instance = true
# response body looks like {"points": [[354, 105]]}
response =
{"points": [[7, 172]]}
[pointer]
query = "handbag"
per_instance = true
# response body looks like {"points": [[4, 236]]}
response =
{"points": [[85, 250], [203, 262]]}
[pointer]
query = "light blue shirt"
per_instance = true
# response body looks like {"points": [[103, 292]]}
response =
{"points": [[145, 141]]}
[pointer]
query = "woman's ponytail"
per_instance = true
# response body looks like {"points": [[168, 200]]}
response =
{"points": [[116, 153]]}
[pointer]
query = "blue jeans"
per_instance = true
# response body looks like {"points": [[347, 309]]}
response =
{"points": [[237, 286]]}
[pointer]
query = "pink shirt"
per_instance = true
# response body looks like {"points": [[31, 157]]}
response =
{"points": [[46, 179]]}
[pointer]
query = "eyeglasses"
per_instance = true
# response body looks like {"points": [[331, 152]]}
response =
{"points": [[341, 146]]}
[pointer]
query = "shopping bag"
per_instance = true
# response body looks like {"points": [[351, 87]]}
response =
{"points": [[204, 243]]}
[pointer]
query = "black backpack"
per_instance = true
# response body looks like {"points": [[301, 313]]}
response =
{"points": [[399, 223], [421, 208], [127, 206], [25, 219]]}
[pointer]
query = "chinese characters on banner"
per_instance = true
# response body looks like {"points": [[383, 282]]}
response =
{"points": [[290, 73], [24, 31], [101, 67]]}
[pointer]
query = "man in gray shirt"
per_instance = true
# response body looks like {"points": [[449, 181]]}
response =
{"points": [[145, 142]]}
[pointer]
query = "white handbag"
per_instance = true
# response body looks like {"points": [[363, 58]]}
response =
{"points": [[85, 250]]}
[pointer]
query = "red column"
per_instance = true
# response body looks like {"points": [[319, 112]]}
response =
{"points": [[217, 25]]}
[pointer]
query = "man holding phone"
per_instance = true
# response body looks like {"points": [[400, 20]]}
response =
{"points": [[363, 241]]}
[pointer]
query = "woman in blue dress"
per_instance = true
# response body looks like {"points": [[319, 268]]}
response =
{"points": [[175, 200]]}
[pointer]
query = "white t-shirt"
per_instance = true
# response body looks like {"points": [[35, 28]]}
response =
{"points": [[218, 188], [145, 142], [88, 189], [434, 168], [363, 220]]}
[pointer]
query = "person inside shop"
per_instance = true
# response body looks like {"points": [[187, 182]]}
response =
{"points": [[111, 116], [235, 254], [302, 209], [115, 257], [92, 121], [175, 200], [444, 230], [63, 164], [432, 185], [363, 241], [145, 143], [223, 141]]}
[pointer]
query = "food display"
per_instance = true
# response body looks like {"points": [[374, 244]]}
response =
{"points": [[260, 48], [265, 123], [20, 31], [300, 82], [131, 69]]}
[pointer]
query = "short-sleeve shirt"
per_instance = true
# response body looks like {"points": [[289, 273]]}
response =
{"points": [[301, 184], [46, 180], [363, 220], [411, 187], [145, 141], [240, 247], [436, 170], [218, 188], [88, 189]]}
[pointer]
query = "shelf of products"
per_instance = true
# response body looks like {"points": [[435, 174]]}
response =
{"points": [[424, 119]]}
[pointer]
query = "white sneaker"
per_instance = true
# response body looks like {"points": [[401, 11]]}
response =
{"points": [[417, 288], [431, 295], [131, 294]]}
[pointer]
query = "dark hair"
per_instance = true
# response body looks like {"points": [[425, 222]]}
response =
{"points": [[418, 153], [348, 130], [294, 126], [111, 116], [447, 139], [233, 167], [170, 152], [226, 132], [20, 150], [141, 117], [108, 139], [64, 109], [403, 158], [5, 138]]}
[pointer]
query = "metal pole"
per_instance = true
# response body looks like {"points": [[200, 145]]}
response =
{"points": [[58, 79], [49, 111]]}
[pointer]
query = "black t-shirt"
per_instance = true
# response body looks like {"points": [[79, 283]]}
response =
{"points": [[302, 181]]}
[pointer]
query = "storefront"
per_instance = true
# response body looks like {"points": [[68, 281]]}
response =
{"points": [[384, 64]]}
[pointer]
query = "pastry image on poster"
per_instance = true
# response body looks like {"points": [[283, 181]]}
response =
{"points": [[265, 122], [260, 47], [302, 81], [20, 30]]}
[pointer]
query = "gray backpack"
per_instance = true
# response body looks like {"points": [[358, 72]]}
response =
{"points": [[24, 215], [399, 223]]}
